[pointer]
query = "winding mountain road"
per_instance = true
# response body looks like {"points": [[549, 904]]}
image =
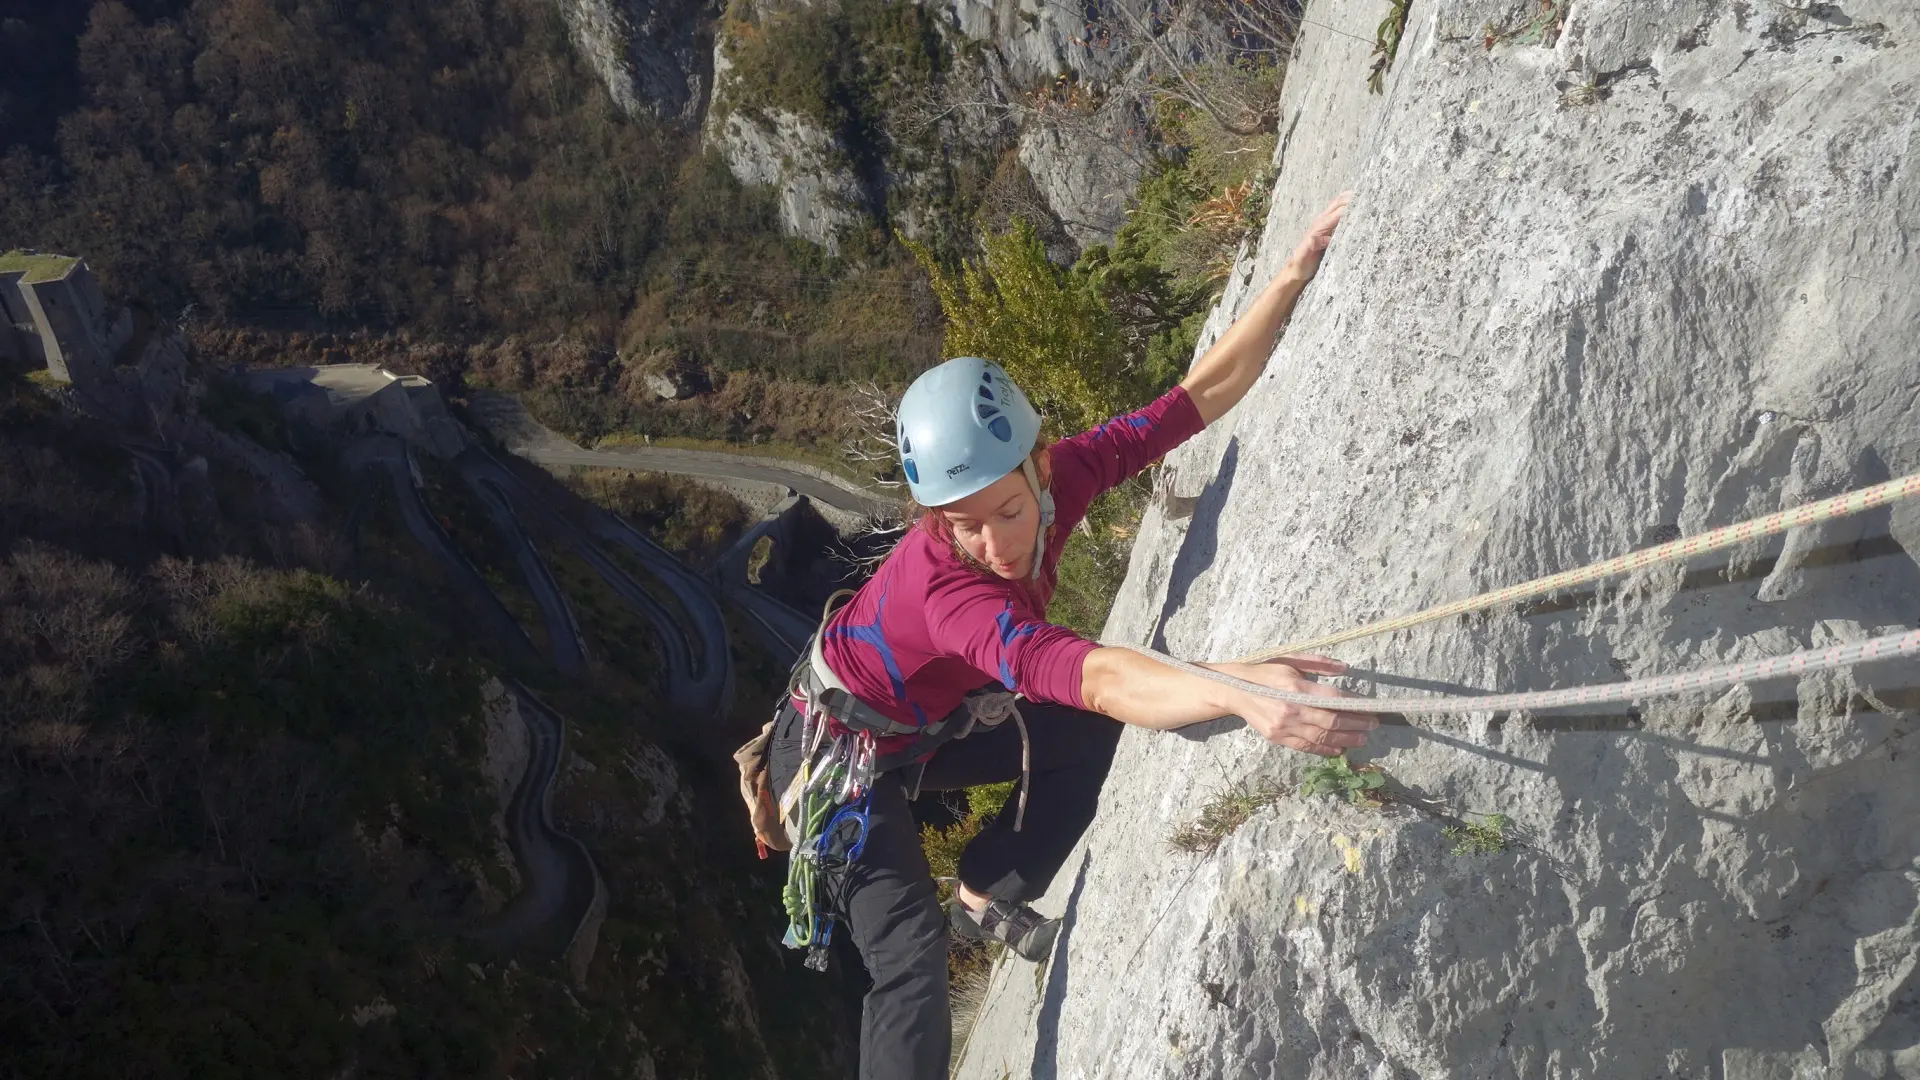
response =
{"points": [[713, 667], [156, 494], [563, 629], [560, 882], [560, 879], [509, 421], [698, 667], [395, 458], [840, 495]]}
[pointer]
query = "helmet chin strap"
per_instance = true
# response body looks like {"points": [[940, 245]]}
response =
{"points": [[1045, 498]]}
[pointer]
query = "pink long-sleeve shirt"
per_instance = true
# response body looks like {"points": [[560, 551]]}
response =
{"points": [[927, 629]]}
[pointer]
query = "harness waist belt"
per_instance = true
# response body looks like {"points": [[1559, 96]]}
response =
{"points": [[823, 692], [825, 695]]}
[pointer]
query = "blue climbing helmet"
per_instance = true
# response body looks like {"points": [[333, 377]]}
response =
{"points": [[961, 426]]}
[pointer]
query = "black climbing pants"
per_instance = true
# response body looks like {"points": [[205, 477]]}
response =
{"points": [[887, 898]]}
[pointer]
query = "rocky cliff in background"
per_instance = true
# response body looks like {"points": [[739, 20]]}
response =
{"points": [[1001, 87], [1613, 273], [655, 56]]}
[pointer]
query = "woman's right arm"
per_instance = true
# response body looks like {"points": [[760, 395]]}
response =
{"points": [[1138, 690]]}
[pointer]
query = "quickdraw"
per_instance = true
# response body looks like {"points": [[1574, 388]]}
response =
{"points": [[833, 812]]}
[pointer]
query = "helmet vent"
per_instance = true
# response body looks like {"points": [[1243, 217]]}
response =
{"points": [[1001, 429], [985, 412]]}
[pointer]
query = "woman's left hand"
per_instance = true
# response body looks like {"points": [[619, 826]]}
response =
{"points": [[1305, 259], [1327, 731]]}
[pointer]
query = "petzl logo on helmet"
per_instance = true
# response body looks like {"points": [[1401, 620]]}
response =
{"points": [[957, 470]]}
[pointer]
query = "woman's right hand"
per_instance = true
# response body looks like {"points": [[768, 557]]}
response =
{"points": [[1327, 732]]}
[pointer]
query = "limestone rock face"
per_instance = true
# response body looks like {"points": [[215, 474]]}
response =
{"points": [[653, 55], [1636, 275], [672, 384], [1088, 169], [1040, 41], [819, 195]]}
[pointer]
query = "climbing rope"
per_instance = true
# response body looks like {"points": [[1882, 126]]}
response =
{"points": [[1891, 646], [1853, 502]]}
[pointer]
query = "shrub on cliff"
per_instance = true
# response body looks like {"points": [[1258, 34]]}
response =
{"points": [[1052, 329]]}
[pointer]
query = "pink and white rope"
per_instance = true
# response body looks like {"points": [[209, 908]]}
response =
{"points": [[1890, 647], [1853, 502]]}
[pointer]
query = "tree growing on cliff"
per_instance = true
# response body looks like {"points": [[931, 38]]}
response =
{"points": [[1050, 328]]}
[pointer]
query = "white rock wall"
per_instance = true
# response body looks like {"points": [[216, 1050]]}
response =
{"points": [[653, 56], [818, 194], [1657, 277], [1088, 169], [1086, 166]]}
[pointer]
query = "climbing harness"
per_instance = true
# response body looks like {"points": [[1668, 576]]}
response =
{"points": [[826, 810], [815, 683], [1888, 647]]}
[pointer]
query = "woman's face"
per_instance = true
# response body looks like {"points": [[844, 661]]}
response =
{"points": [[997, 526]]}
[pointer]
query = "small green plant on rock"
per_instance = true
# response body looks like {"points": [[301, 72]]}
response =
{"points": [[1386, 43], [1488, 837], [1543, 29], [1221, 815], [1338, 776]]}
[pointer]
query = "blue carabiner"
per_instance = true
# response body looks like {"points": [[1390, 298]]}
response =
{"points": [[858, 814]]}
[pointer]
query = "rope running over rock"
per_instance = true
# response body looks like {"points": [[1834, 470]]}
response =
{"points": [[1891, 646]]}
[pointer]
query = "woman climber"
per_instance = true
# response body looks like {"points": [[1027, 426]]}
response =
{"points": [[905, 686]]}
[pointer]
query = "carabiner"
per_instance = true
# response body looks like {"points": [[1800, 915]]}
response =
{"points": [[823, 847]]}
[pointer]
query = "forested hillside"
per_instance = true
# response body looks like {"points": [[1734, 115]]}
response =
{"points": [[441, 165], [243, 816], [249, 821]]}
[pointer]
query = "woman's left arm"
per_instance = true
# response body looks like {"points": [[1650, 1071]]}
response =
{"points": [[1223, 376]]}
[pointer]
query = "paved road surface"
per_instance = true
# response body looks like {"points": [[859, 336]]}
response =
{"points": [[557, 875], [695, 680], [391, 454], [558, 878], [156, 496], [840, 496], [484, 475], [509, 421], [712, 669]]}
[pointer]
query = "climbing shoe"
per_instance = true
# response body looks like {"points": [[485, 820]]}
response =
{"points": [[1016, 926]]}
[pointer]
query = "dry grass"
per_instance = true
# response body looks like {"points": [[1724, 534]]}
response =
{"points": [[1222, 814], [1485, 837], [968, 994]]}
